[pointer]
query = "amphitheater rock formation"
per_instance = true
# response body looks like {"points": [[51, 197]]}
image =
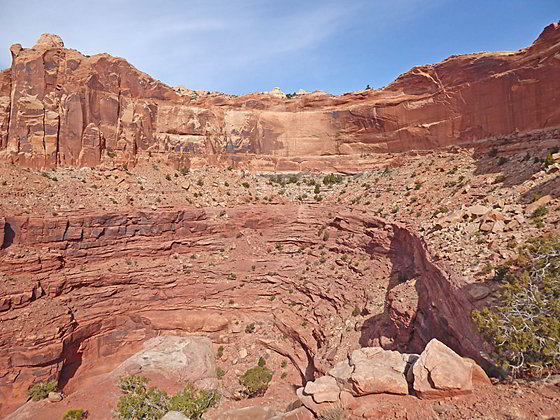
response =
{"points": [[96, 262], [59, 107]]}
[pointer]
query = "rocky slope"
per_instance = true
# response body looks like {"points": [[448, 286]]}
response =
{"points": [[110, 281], [94, 262], [61, 108]]}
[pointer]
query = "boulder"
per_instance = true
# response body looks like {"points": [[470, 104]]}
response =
{"points": [[323, 389], [247, 413], [47, 41], [342, 372], [179, 359], [174, 415], [378, 371], [309, 403], [478, 210], [440, 372], [530, 209], [300, 413], [54, 397], [479, 377]]}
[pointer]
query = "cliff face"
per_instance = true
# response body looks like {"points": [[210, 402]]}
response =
{"points": [[59, 107]]}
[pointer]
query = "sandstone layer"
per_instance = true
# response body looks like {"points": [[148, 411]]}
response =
{"points": [[77, 289], [61, 108]]}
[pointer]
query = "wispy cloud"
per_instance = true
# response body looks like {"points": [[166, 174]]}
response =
{"points": [[245, 45]]}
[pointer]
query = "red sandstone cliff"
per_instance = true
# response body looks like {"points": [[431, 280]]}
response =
{"points": [[59, 107]]}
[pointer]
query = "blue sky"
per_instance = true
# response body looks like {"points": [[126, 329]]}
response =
{"points": [[254, 45]]}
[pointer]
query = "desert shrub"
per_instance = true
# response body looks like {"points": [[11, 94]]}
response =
{"points": [[220, 352], [140, 401], [250, 328], [41, 390], [525, 328], [549, 159], [245, 184], [261, 362], [193, 403], [317, 189], [502, 160], [74, 414], [220, 373], [540, 212], [493, 152], [256, 380], [356, 311], [332, 179], [150, 403]]}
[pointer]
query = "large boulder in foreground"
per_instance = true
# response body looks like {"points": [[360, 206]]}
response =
{"points": [[378, 371], [323, 389], [440, 372]]}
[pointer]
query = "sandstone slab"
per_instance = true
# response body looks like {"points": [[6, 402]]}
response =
{"points": [[440, 372], [378, 371]]}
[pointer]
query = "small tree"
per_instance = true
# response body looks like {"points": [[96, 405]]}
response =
{"points": [[194, 404], [256, 381], [74, 414], [139, 401], [525, 328]]}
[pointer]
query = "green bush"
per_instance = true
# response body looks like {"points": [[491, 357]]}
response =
{"points": [[256, 380], [549, 159], [193, 403], [525, 328], [41, 390], [332, 179], [540, 212], [143, 403], [74, 414]]}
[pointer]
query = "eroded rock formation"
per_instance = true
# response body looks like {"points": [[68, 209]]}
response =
{"points": [[86, 287], [59, 107]]}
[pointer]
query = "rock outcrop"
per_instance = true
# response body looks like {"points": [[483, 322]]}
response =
{"points": [[59, 107], [78, 288], [438, 372]]}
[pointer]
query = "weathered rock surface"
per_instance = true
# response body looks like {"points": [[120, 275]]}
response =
{"points": [[174, 415], [183, 360], [59, 107], [248, 413], [323, 389], [378, 371], [102, 284], [300, 413], [440, 372]]}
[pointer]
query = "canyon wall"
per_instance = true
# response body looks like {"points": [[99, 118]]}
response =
{"points": [[61, 108], [80, 292]]}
